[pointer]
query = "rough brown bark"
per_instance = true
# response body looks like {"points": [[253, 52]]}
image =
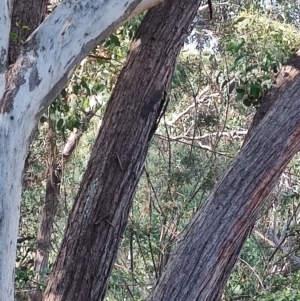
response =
{"points": [[210, 245], [29, 86], [28, 13], [99, 215]]}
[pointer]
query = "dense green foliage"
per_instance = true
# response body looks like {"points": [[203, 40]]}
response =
{"points": [[214, 93]]}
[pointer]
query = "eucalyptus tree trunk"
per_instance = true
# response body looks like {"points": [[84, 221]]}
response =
{"points": [[99, 216], [210, 245], [46, 61]]}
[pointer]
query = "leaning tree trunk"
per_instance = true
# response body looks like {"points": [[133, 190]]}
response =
{"points": [[29, 86], [210, 245], [98, 219]]}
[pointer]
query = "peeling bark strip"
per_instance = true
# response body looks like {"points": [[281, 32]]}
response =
{"points": [[210, 245], [91, 240]]}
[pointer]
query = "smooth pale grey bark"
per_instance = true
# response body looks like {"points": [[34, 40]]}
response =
{"points": [[5, 20], [210, 244], [27, 88]]}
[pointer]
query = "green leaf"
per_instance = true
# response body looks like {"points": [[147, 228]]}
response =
{"points": [[76, 88], [240, 90], [269, 57], [43, 119], [264, 67], [240, 57], [274, 68], [114, 40], [85, 103], [255, 90], [60, 124], [211, 57], [230, 46], [224, 83], [235, 46], [13, 36], [240, 19], [239, 96], [231, 87], [251, 67], [240, 44], [52, 116], [247, 102], [85, 85], [63, 93], [231, 68], [73, 101]]}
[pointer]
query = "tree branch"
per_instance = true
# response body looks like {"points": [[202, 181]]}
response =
{"points": [[51, 53]]}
